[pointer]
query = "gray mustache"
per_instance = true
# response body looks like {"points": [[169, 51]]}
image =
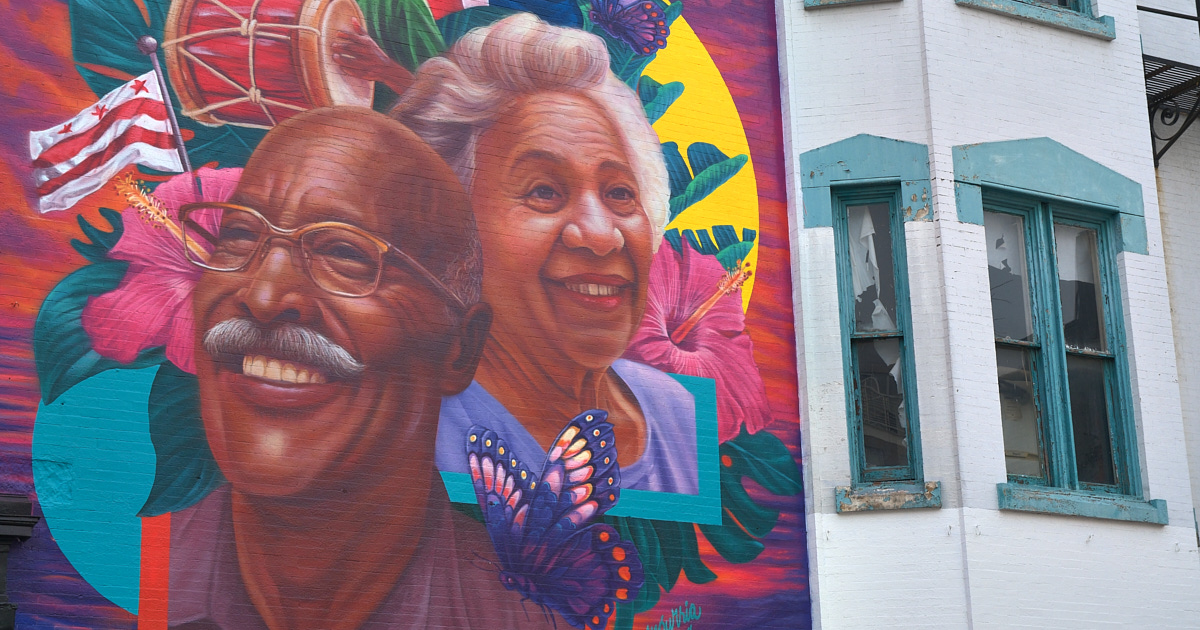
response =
{"points": [[288, 342]]}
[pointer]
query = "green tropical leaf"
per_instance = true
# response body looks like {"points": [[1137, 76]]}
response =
{"points": [[62, 349], [730, 257], [757, 520], [404, 29], [100, 241], [457, 24], [185, 471], [678, 174], [656, 97], [765, 459], [734, 544], [709, 176], [693, 567], [104, 34]]}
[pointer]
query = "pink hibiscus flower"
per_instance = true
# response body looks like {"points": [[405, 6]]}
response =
{"points": [[714, 345], [153, 304]]}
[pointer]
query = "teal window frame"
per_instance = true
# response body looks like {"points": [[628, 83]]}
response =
{"points": [[844, 197], [1045, 170], [1078, 18], [1050, 350]]}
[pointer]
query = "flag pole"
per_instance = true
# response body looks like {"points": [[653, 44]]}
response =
{"points": [[149, 47]]}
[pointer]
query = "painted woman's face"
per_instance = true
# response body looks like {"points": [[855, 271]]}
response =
{"points": [[566, 243]]}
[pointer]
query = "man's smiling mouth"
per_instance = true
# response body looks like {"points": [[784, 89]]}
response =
{"points": [[269, 369]]}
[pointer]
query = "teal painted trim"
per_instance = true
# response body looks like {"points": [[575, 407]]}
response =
{"points": [[912, 471], [888, 496], [1046, 169], [818, 211], [1061, 18], [969, 200], [703, 508], [1133, 234], [860, 161], [1072, 503], [818, 4]]}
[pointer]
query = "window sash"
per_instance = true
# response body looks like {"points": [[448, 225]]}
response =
{"points": [[854, 338], [1051, 355]]}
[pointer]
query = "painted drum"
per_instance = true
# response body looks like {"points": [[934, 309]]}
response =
{"points": [[254, 63]]}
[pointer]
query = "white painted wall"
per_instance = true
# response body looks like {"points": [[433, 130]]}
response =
{"points": [[1179, 194], [942, 75]]}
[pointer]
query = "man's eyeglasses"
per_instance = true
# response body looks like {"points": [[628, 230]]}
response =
{"points": [[340, 258]]}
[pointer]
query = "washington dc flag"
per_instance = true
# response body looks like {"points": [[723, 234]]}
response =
{"points": [[128, 126]]}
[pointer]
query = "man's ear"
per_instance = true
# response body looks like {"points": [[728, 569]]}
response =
{"points": [[467, 349]]}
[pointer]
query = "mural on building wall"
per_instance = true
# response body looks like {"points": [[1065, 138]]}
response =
{"points": [[325, 314]]}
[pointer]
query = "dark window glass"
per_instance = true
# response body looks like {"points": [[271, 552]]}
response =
{"points": [[881, 383], [1089, 420]]}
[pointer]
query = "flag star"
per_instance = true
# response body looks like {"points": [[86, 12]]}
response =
{"points": [[66, 129], [99, 111], [139, 86]]}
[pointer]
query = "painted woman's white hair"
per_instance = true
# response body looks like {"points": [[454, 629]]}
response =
{"points": [[460, 95]]}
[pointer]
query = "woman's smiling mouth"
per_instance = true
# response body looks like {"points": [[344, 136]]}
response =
{"points": [[603, 292]]}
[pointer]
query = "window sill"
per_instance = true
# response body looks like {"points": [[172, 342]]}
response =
{"points": [[888, 496], [1073, 503], [1102, 27], [820, 4]]}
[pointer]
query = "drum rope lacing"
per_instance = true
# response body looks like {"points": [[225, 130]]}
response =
{"points": [[251, 29]]}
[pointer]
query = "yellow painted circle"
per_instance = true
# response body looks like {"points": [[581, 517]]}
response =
{"points": [[705, 112]]}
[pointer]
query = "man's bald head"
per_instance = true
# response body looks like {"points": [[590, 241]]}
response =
{"points": [[364, 168]]}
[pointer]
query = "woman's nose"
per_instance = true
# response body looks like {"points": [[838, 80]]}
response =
{"points": [[592, 227], [277, 288]]}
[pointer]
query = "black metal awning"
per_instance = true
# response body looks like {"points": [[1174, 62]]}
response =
{"points": [[1172, 92]]}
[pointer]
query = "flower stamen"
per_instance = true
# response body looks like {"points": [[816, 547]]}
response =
{"points": [[729, 283], [152, 210]]}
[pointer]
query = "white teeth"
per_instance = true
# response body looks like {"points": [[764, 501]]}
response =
{"points": [[280, 371], [603, 290]]}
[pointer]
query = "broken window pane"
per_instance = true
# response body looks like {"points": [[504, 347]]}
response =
{"points": [[881, 381], [1083, 319], [1007, 273], [872, 275]]}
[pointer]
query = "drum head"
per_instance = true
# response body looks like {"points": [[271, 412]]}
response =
{"points": [[322, 78]]}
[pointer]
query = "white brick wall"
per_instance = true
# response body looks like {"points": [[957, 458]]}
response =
{"points": [[943, 75], [1179, 192]]}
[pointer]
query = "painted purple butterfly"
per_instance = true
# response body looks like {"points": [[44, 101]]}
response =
{"points": [[549, 547], [641, 23]]}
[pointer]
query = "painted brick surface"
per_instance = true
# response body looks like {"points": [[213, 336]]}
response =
{"points": [[472, 315]]}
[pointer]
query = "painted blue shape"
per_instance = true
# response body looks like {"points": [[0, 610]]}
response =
{"points": [[1048, 170], [1082, 22], [863, 160], [703, 507], [93, 466]]}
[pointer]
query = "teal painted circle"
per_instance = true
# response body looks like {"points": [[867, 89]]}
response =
{"points": [[93, 466]]}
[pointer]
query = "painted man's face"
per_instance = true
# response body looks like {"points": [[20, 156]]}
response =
{"points": [[566, 242], [276, 423]]}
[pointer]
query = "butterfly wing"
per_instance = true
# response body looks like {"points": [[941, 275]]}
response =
{"points": [[501, 484], [641, 24], [589, 574], [581, 478], [542, 526]]}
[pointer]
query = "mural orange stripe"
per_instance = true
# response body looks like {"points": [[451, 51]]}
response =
{"points": [[156, 561]]}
